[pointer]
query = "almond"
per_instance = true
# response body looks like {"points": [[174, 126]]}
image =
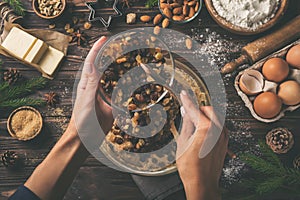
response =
{"points": [[164, 5], [174, 5], [192, 12], [177, 11], [189, 43], [178, 17], [197, 6], [185, 10], [163, 1], [165, 23], [157, 19], [145, 18], [167, 12], [156, 30], [192, 3]]}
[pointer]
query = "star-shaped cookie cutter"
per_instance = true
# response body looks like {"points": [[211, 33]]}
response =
{"points": [[105, 23]]}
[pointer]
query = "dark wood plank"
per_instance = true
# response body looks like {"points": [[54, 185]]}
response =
{"points": [[95, 180]]}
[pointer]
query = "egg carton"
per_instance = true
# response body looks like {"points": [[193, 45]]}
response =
{"points": [[268, 85]]}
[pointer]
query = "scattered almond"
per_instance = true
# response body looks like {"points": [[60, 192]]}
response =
{"points": [[168, 13], [189, 43], [157, 19], [165, 23], [156, 30], [145, 18]]}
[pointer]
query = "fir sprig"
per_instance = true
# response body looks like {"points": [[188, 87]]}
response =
{"points": [[269, 174], [21, 102], [151, 3], [22, 90], [17, 6]]}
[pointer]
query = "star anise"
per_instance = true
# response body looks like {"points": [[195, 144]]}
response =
{"points": [[51, 98], [79, 37]]}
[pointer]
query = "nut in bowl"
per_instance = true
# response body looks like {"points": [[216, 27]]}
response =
{"points": [[49, 9], [180, 11], [25, 123]]}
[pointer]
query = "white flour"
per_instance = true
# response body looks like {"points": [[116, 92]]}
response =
{"points": [[249, 14]]}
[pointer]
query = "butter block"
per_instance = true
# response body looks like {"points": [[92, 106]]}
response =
{"points": [[18, 42], [50, 60], [37, 51]]}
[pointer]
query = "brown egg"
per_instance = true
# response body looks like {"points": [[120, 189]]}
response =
{"points": [[267, 105], [289, 92], [293, 56], [275, 69]]}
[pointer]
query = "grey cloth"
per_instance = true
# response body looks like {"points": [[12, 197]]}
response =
{"points": [[158, 188]]}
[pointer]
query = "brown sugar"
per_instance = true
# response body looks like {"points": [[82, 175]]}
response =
{"points": [[25, 124]]}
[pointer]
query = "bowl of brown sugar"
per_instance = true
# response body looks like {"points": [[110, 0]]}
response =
{"points": [[25, 123]]}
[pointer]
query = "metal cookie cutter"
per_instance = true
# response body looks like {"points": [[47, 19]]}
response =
{"points": [[105, 23]]}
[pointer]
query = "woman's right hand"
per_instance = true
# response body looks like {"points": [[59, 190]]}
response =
{"points": [[200, 167]]}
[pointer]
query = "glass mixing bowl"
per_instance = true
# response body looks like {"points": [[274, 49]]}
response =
{"points": [[128, 62]]}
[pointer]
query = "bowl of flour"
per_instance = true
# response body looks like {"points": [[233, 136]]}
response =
{"points": [[246, 17]]}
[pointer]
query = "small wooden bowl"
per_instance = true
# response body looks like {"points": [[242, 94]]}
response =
{"points": [[242, 31], [35, 7], [9, 121]]}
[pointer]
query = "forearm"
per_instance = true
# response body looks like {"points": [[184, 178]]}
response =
{"points": [[53, 176], [197, 191]]}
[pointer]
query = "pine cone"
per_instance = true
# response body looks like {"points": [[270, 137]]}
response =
{"points": [[280, 140], [12, 76], [297, 162], [10, 159]]}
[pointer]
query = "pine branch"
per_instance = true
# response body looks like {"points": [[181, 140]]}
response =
{"points": [[151, 3], [269, 185], [3, 86], [17, 6], [23, 89], [22, 102]]}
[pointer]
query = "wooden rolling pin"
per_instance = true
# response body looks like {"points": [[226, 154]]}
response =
{"points": [[266, 45]]}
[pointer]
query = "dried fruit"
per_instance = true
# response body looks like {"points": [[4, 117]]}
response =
{"points": [[192, 12], [165, 23], [145, 18], [156, 30], [157, 19], [189, 43], [87, 25]]}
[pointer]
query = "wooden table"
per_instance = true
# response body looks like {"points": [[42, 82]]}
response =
{"points": [[94, 179]]}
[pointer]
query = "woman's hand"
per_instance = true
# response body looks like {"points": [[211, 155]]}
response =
{"points": [[89, 108], [51, 179], [200, 166]]}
